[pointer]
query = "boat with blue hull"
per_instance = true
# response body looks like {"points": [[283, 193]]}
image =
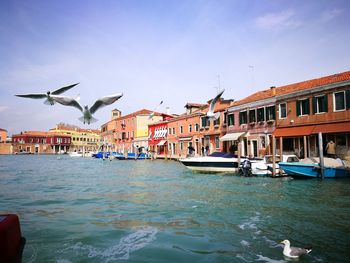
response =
{"points": [[133, 156], [313, 170]]}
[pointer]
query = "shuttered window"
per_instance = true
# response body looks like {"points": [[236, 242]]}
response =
{"points": [[303, 107], [339, 101], [261, 114], [242, 117], [231, 119], [320, 104], [283, 110], [270, 113], [252, 116]]}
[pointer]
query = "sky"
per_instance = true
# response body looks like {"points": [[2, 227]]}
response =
{"points": [[177, 51]]}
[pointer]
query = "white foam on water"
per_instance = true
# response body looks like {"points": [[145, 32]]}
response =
{"points": [[245, 243], [128, 244], [250, 224], [33, 256], [269, 260], [63, 261]]}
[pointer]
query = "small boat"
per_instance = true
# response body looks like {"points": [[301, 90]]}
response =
{"points": [[264, 166], [75, 154], [133, 156], [216, 162], [310, 167]]}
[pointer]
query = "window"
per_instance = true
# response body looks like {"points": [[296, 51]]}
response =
{"points": [[260, 114], [197, 127], [181, 146], [231, 119], [283, 111], [217, 142], [252, 116], [205, 121], [174, 131], [270, 113], [181, 129], [190, 128], [225, 118], [303, 107], [242, 117], [169, 131], [339, 101], [217, 121], [320, 104]]}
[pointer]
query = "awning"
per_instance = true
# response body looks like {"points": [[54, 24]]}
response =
{"points": [[231, 136], [161, 143], [332, 127], [294, 131], [185, 139]]}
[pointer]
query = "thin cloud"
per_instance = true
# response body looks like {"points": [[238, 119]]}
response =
{"points": [[277, 21], [329, 15], [4, 108]]}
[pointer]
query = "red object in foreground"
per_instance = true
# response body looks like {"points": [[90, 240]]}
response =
{"points": [[11, 240]]}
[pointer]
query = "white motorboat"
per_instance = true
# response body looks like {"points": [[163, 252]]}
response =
{"points": [[216, 162], [263, 167], [75, 154]]}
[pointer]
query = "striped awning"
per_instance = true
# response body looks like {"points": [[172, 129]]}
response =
{"points": [[161, 143], [232, 136]]}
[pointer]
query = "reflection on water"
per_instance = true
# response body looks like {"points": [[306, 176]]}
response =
{"points": [[87, 210]]}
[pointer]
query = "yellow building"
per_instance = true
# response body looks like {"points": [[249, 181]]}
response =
{"points": [[83, 140]]}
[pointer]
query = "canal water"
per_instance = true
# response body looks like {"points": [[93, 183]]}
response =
{"points": [[90, 210]]}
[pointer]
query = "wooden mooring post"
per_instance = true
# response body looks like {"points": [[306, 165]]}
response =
{"points": [[320, 149], [273, 156]]}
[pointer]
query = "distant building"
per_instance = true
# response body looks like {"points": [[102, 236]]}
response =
{"points": [[3, 135], [37, 142], [5, 143], [126, 134], [81, 139]]}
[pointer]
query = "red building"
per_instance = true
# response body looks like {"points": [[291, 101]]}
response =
{"points": [[157, 141], [40, 142]]}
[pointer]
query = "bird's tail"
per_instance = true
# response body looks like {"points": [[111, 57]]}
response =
{"points": [[88, 121], [217, 115], [49, 102], [308, 249]]}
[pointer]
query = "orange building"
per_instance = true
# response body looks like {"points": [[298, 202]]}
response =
{"points": [[319, 105], [293, 113], [3, 135], [5, 146], [126, 134], [193, 128]]}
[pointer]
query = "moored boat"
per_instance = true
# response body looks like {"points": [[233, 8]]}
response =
{"points": [[216, 162], [333, 168], [264, 166]]}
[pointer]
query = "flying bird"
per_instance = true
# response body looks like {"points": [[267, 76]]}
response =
{"points": [[294, 252], [47, 95], [152, 113], [210, 113], [87, 112]]}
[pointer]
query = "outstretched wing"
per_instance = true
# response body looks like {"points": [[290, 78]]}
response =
{"points": [[104, 102], [33, 96], [213, 102], [67, 101], [63, 89]]}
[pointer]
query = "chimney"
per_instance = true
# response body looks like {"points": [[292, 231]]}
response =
{"points": [[167, 110], [273, 90], [116, 114]]}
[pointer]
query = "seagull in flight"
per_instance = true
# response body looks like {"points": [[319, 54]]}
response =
{"points": [[47, 95], [210, 113], [294, 252], [152, 113], [87, 112]]}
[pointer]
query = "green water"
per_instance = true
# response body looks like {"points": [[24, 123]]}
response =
{"points": [[89, 210]]}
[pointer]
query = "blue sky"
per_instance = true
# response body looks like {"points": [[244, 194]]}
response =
{"points": [[160, 50]]}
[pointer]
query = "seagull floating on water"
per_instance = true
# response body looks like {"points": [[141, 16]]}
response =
{"points": [[87, 112], [294, 252], [47, 95], [210, 113]]}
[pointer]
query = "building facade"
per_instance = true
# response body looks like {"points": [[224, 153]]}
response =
{"points": [[36, 142], [82, 140]]}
